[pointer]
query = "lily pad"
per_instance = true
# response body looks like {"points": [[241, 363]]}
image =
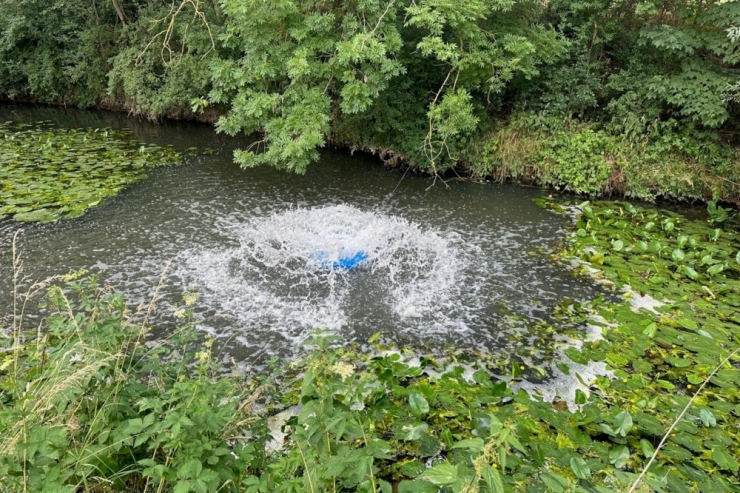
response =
{"points": [[49, 173]]}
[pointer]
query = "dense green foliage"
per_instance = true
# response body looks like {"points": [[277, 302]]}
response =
{"points": [[94, 403], [431, 82], [148, 56], [86, 406], [587, 159], [47, 173]]}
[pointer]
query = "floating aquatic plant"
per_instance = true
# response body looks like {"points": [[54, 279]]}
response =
{"points": [[50, 173]]}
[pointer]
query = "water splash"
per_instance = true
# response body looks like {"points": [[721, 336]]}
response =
{"points": [[288, 274]]}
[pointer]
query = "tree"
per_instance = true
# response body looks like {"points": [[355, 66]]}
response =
{"points": [[300, 68]]}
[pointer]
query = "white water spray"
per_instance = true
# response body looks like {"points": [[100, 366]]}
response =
{"points": [[284, 277]]}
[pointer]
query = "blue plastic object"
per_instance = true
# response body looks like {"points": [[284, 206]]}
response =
{"points": [[345, 263]]}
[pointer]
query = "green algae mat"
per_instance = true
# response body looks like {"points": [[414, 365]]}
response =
{"points": [[49, 173]]}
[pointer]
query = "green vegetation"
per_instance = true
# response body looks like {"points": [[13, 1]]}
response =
{"points": [[87, 406], [634, 97], [92, 403], [586, 159], [50, 173]]}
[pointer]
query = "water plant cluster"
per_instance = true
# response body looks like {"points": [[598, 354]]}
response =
{"points": [[49, 173], [94, 403]]}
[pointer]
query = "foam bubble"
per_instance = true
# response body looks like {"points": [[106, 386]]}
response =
{"points": [[281, 275]]}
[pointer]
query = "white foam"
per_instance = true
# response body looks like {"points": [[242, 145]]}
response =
{"points": [[639, 301], [563, 386], [277, 276]]}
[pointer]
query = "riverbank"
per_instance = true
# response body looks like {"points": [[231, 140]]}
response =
{"points": [[92, 402], [590, 160], [584, 159]]}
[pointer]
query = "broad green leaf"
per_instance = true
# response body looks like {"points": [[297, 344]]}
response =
{"points": [[441, 474], [413, 432], [580, 468], [650, 330], [580, 397], [418, 404], [725, 460], [623, 423], [707, 418], [619, 456], [493, 480], [472, 444], [514, 442], [647, 448], [182, 486], [555, 482]]}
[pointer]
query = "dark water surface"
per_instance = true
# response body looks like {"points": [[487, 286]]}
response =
{"points": [[445, 265]]}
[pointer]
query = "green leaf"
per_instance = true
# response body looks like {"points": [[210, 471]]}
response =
{"points": [[580, 468], [40, 215], [413, 432], [190, 469], [182, 487], [677, 255], [617, 245], [493, 480], [619, 456], [575, 355], [441, 474], [690, 273], [707, 418], [472, 444], [694, 379], [724, 460], [623, 423], [555, 482], [650, 330], [419, 405], [580, 397], [647, 448], [514, 442]]}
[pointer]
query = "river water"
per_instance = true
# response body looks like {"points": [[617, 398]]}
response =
{"points": [[442, 265]]}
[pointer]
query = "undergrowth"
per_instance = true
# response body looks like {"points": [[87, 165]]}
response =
{"points": [[90, 403], [588, 159]]}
